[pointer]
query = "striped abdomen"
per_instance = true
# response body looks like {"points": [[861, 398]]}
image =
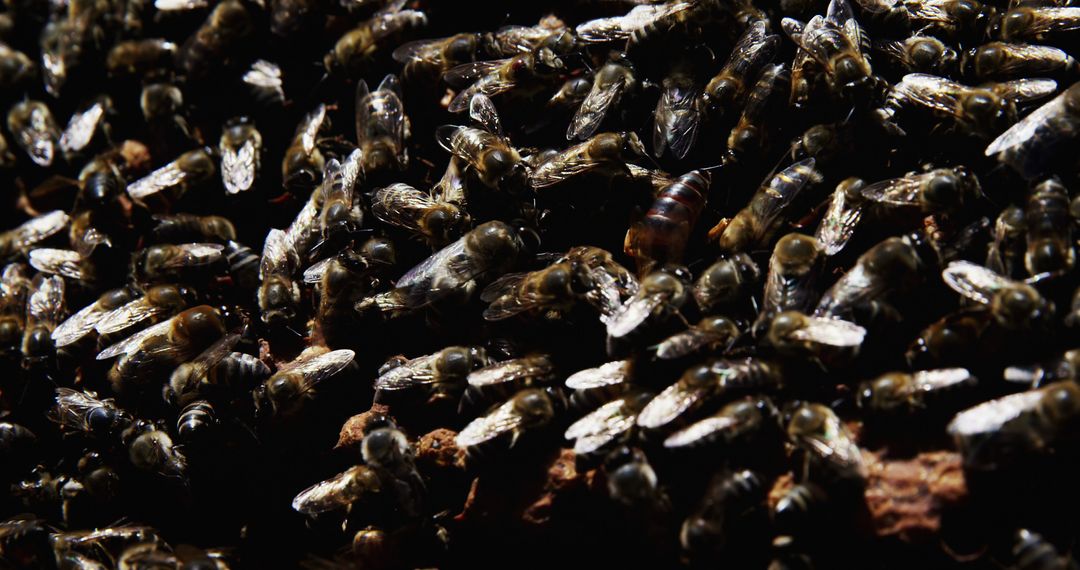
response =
{"points": [[661, 236]]}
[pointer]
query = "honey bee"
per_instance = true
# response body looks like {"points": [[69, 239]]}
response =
{"points": [[303, 161], [733, 504], [608, 423], [605, 152], [842, 217], [903, 393], [728, 89], [706, 382], [817, 430], [240, 147], [161, 347], [381, 127], [940, 191], [632, 483], [279, 295], [192, 228], [747, 138], [35, 131], [83, 411], [1033, 144], [340, 214], [109, 541], [339, 288], [426, 60], [755, 222], [77, 326], [529, 409], [265, 82], [920, 54], [1063, 367], [151, 449], [23, 238], [1035, 23], [483, 254], [356, 50], [284, 393], [505, 377], [1013, 305], [1005, 252], [1031, 550], [159, 302], [614, 81], [792, 332], [14, 287], [1004, 60], [678, 112], [1033, 421], [373, 254], [607, 283], [888, 266], [486, 152], [188, 171], [451, 186], [216, 369], [550, 33], [790, 285], [621, 28], [982, 111], [660, 296], [524, 73], [735, 422], [548, 292], [566, 100], [443, 374], [44, 310], [338, 492], [175, 262], [210, 47], [727, 282], [662, 235], [163, 108], [196, 422], [84, 124], [437, 223], [145, 58], [799, 508], [1050, 249], [835, 42]]}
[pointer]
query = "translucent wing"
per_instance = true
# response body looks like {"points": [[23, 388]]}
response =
{"points": [[839, 222], [265, 78], [278, 255], [57, 261], [1025, 129], [78, 325], [832, 332], [929, 91], [40, 228], [834, 442], [571, 162], [594, 108], [931, 380], [400, 205], [1025, 90], [699, 430], [322, 367], [132, 343], [165, 177], [502, 286], [974, 281], [194, 254], [687, 342], [426, 270], [608, 288], [314, 274], [337, 492], [604, 375], [677, 119], [992, 415], [895, 192], [489, 85], [81, 128], [303, 231], [621, 27], [238, 167], [485, 428], [460, 75], [73, 408], [414, 372], [482, 110], [509, 371], [46, 303], [600, 427], [129, 314], [179, 5], [632, 314], [308, 130], [670, 404]]}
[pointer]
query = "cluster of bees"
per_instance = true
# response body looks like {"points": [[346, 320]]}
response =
{"points": [[706, 245]]}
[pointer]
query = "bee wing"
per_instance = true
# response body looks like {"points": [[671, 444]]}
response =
{"points": [[322, 367], [754, 48], [992, 415], [131, 313], [502, 420], [488, 85], [278, 254], [57, 261], [621, 27], [686, 342], [461, 75], [238, 166], [699, 430], [935, 93], [179, 5], [314, 274], [896, 191], [631, 314], [215, 353], [1025, 90], [599, 427], [133, 342], [836, 444], [308, 130], [78, 325], [426, 270], [838, 224], [482, 110], [329, 495], [604, 375], [81, 127], [417, 50], [511, 371], [782, 188], [677, 119], [502, 286], [400, 205], [413, 372], [608, 286], [165, 177], [594, 108], [942, 378], [670, 404], [571, 162], [832, 332], [974, 281], [302, 232], [40, 228], [89, 240], [265, 78], [46, 303], [72, 407], [894, 49], [194, 254]]}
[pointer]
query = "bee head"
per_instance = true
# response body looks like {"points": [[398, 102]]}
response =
{"points": [[1018, 307]]}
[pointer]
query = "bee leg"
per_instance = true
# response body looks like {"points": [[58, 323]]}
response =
{"points": [[716, 231]]}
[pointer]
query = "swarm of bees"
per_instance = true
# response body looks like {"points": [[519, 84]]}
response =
{"points": [[716, 251]]}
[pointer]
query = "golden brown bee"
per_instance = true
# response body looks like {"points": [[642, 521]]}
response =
{"points": [[1050, 248], [339, 492], [1005, 60], [45, 309], [240, 147], [145, 58], [662, 235], [339, 289], [713, 334], [728, 89], [24, 237], [189, 170], [700, 384], [487, 153], [548, 292], [444, 373], [982, 111], [209, 48], [940, 191], [215, 369], [1013, 305], [355, 51], [156, 350], [279, 294], [549, 33], [621, 28], [381, 127], [817, 430], [1034, 23], [284, 393], [735, 422], [888, 266], [614, 81], [35, 130], [179, 228], [15, 67], [608, 423], [303, 161], [755, 222], [1031, 146], [175, 262], [527, 410], [903, 393], [729, 281], [523, 74], [435, 222], [838, 224], [748, 137], [836, 44], [790, 284], [86, 320], [426, 60], [606, 152], [920, 54]]}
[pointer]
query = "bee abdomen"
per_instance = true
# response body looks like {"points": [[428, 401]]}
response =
{"points": [[195, 421]]}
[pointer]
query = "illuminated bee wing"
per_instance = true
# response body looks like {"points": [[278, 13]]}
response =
{"points": [[600, 427], [1053, 19], [131, 313], [46, 302], [782, 188], [238, 166], [1023, 91], [483, 111], [462, 75], [1020, 54], [413, 372], [677, 119], [689, 341], [568, 163], [39, 228], [337, 492], [754, 48], [594, 108], [1025, 129], [620, 28], [671, 403], [321, 367], [89, 240], [278, 255], [991, 416], [504, 285], [303, 231], [418, 50], [608, 374], [632, 313], [265, 80], [57, 262], [314, 274], [179, 5], [930, 91], [839, 222], [489, 85], [974, 281], [902, 191], [609, 286], [502, 420], [839, 13], [78, 325], [400, 204], [165, 177], [390, 116], [198, 367], [194, 255], [426, 270], [132, 343], [941, 379], [831, 332], [73, 408], [515, 370], [701, 430], [308, 130], [81, 127], [834, 442]]}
